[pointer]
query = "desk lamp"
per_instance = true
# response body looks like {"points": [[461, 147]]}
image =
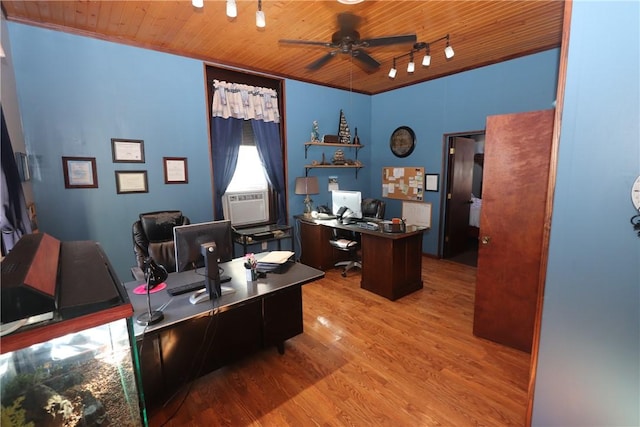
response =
{"points": [[307, 185], [154, 274]]}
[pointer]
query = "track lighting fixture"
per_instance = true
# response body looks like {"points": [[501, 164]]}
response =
{"points": [[261, 21], [393, 71], [426, 60], [232, 9], [411, 66]]}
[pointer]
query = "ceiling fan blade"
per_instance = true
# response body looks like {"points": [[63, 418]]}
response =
{"points": [[306, 42], [365, 59], [317, 64], [386, 41]]}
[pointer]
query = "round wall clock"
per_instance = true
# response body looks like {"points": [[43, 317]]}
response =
{"points": [[403, 141]]}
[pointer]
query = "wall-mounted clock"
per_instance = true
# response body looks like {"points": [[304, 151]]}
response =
{"points": [[403, 141], [635, 193]]}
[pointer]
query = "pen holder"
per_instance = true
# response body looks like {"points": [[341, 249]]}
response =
{"points": [[252, 274]]}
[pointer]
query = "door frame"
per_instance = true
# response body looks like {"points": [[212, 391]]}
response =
{"points": [[447, 139]]}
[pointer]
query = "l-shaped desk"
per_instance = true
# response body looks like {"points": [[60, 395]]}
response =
{"points": [[391, 262], [193, 340]]}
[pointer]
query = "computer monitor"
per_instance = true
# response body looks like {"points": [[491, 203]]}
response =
{"points": [[204, 245], [188, 240], [348, 199]]}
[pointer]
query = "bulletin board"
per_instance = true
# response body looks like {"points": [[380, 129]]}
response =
{"points": [[403, 183]]}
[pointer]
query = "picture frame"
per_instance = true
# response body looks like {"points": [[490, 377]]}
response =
{"points": [[80, 172], [431, 182], [128, 182], [127, 150], [175, 170]]}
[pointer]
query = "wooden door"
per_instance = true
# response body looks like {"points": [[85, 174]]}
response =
{"points": [[461, 154], [516, 171]]}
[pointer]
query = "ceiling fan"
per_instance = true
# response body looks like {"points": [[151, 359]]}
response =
{"points": [[347, 40]]}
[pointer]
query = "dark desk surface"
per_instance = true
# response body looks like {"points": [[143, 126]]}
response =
{"points": [[178, 308], [410, 229]]}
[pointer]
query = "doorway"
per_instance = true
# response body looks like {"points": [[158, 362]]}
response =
{"points": [[462, 196]]}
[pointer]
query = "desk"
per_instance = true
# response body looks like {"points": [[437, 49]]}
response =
{"points": [[391, 262], [193, 340]]}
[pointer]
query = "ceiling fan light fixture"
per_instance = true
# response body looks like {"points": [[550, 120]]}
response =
{"points": [[232, 9], [198, 3]]}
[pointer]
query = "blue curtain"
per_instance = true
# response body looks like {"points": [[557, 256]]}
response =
{"points": [[226, 136], [14, 220], [269, 146]]}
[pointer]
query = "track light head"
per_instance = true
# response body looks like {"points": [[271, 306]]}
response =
{"points": [[232, 9], [411, 66], [261, 20], [393, 71], [448, 51]]}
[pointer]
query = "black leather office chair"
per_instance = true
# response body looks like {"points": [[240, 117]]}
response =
{"points": [[373, 208], [153, 238]]}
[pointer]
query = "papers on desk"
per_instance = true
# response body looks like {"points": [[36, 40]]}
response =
{"points": [[276, 257], [273, 261]]}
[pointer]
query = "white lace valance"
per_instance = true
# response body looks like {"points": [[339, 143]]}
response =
{"points": [[244, 102]]}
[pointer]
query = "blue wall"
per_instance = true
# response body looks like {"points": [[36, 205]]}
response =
{"points": [[306, 103], [77, 93], [457, 103], [589, 357]]}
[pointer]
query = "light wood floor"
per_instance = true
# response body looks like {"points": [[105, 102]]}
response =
{"points": [[366, 361]]}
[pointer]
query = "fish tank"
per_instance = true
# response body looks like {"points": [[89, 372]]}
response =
{"points": [[85, 378]]}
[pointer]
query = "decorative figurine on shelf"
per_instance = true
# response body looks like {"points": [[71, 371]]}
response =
{"points": [[343, 130], [356, 139], [315, 132], [338, 157]]}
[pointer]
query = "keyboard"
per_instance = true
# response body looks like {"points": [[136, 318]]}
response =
{"points": [[192, 287]]}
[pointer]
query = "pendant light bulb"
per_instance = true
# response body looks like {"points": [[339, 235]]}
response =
{"points": [[198, 3], [232, 9]]}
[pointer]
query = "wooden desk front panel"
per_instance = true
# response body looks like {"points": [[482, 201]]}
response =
{"points": [[391, 267], [315, 247]]}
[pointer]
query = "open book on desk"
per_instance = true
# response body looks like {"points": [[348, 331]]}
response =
{"points": [[274, 261]]}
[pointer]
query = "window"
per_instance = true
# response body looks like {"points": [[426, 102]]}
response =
{"points": [[246, 178]]}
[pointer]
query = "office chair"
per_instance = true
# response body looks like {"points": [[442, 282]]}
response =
{"points": [[346, 241], [373, 208], [153, 238]]}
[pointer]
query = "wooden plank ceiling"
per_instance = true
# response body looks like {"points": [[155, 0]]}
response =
{"points": [[481, 33]]}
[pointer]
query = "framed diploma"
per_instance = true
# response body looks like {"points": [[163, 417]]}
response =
{"points": [[80, 172], [127, 150], [131, 182], [175, 170]]}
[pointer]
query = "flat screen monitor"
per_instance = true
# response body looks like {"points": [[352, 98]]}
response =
{"points": [[188, 240], [349, 199]]}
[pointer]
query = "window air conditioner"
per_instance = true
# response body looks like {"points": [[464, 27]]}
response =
{"points": [[246, 207]]}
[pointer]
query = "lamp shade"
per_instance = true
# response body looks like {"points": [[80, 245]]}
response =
{"points": [[307, 185]]}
